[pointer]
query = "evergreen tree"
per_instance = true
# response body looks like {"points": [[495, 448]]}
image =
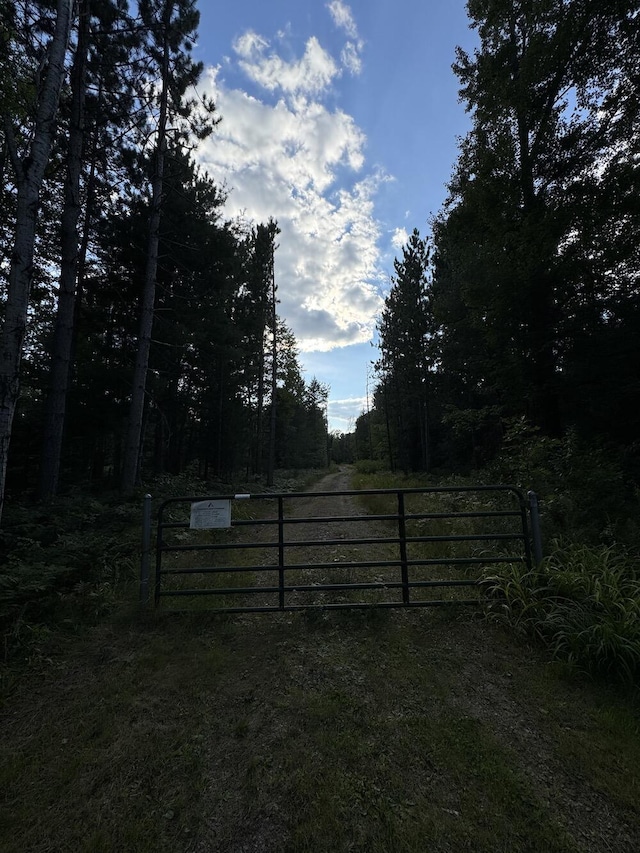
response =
{"points": [[95, 131], [255, 319], [131, 242], [28, 168], [522, 277], [405, 361], [171, 26]]}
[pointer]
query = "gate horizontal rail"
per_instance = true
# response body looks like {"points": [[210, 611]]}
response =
{"points": [[404, 566]]}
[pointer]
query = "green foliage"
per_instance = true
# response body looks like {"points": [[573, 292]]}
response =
{"points": [[584, 492], [527, 458], [65, 565], [342, 447], [368, 466], [73, 562], [207, 392], [583, 602], [532, 272], [534, 254], [406, 359]]}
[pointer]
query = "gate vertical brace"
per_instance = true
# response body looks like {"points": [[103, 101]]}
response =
{"points": [[156, 595], [281, 551], [534, 513], [404, 564], [146, 552]]}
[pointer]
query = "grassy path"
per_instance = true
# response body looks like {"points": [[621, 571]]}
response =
{"points": [[351, 731]]}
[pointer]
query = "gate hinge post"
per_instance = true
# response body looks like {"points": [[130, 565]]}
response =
{"points": [[146, 552], [534, 514]]}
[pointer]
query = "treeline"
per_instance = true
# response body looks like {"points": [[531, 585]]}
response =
{"points": [[523, 306], [140, 329]]}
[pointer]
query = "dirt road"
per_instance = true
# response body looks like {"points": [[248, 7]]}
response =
{"points": [[460, 669]]}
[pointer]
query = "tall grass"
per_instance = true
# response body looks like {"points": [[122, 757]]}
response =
{"points": [[583, 602]]}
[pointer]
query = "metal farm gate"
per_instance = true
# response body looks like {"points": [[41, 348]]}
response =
{"points": [[250, 553]]}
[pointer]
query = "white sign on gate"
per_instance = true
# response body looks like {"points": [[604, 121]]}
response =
{"points": [[208, 514]]}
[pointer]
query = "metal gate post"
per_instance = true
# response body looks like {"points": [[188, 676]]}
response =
{"points": [[281, 552], [146, 551], [402, 533], [534, 512]]}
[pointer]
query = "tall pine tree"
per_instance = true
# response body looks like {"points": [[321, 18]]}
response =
{"points": [[523, 277], [171, 26], [29, 168], [405, 362]]}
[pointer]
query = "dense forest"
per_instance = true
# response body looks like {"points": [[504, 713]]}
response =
{"points": [[516, 321], [140, 328]]}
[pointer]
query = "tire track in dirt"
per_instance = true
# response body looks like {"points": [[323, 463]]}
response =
{"points": [[333, 533]]}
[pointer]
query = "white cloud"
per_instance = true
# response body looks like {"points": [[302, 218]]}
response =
{"points": [[342, 414], [342, 17], [347, 406], [303, 164], [250, 44], [309, 75], [399, 238], [350, 57]]}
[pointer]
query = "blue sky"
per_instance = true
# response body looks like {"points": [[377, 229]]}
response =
{"points": [[340, 120]]}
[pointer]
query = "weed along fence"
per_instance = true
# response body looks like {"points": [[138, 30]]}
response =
{"points": [[284, 552]]}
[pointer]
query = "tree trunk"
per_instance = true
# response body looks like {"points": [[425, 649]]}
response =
{"points": [[274, 380], [64, 326], [29, 177], [423, 422], [392, 464], [219, 436], [544, 408], [260, 410], [133, 445]]}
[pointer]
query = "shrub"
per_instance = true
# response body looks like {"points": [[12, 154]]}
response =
{"points": [[583, 602], [369, 466], [584, 491], [62, 564]]}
